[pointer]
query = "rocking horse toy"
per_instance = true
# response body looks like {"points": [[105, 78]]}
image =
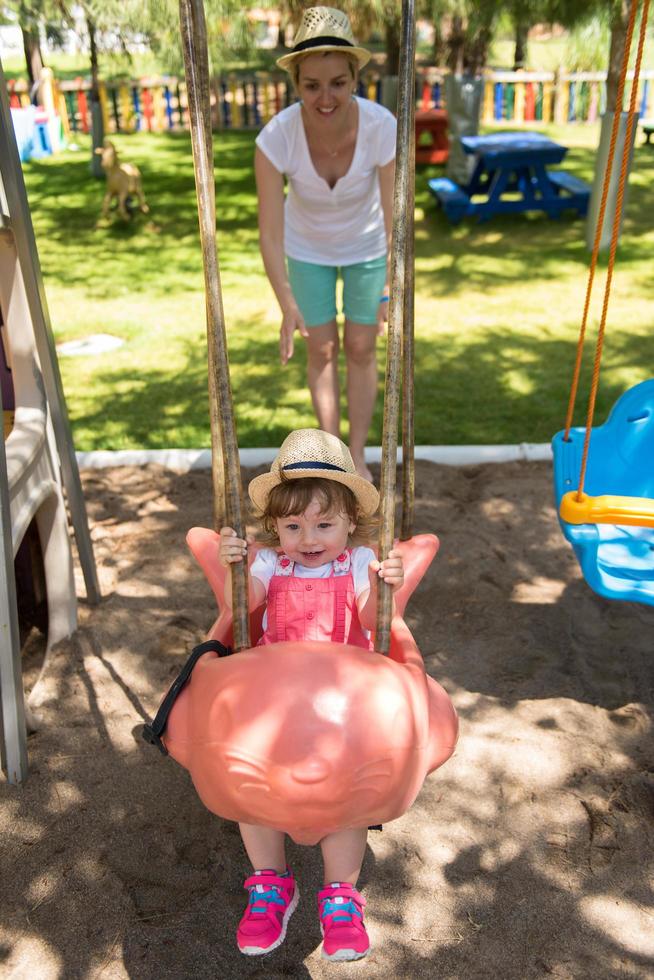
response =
{"points": [[308, 738]]}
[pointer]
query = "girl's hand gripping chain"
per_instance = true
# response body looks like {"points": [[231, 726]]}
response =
{"points": [[391, 570], [231, 548]]}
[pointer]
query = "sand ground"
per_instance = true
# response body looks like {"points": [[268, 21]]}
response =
{"points": [[528, 855]]}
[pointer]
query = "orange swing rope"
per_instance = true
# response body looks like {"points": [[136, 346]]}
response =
{"points": [[576, 506]]}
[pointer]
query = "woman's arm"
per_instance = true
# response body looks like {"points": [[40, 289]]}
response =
{"points": [[270, 191], [386, 190]]}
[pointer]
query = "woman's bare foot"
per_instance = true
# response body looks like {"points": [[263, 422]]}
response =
{"points": [[361, 468]]}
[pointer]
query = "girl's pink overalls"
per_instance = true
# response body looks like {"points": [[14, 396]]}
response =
{"points": [[313, 608]]}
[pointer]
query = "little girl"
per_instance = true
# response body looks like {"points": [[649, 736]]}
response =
{"points": [[313, 507]]}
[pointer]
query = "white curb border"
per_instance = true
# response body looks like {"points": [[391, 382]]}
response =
{"points": [[183, 460]]}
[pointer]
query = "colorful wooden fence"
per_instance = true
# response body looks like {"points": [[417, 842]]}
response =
{"points": [[249, 101], [529, 97]]}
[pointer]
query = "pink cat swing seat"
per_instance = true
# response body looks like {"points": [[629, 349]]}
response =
{"points": [[308, 738], [315, 737]]}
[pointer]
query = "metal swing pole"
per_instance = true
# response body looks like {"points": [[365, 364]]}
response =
{"points": [[226, 472], [401, 258]]}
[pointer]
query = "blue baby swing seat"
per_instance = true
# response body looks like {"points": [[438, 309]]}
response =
{"points": [[604, 475], [616, 559]]}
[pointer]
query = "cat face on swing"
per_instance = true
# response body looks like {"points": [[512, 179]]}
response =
{"points": [[303, 737]]}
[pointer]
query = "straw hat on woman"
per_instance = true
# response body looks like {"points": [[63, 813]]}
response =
{"points": [[337, 154]]}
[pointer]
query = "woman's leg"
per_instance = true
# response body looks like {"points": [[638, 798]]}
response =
{"points": [[360, 343], [314, 289], [342, 854], [322, 375], [264, 847], [363, 285]]}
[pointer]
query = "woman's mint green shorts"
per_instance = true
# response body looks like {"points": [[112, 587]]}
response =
{"points": [[314, 289]]}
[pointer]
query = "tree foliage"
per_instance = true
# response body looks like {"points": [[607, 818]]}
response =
{"points": [[571, 12], [587, 45], [524, 15], [32, 15], [230, 31], [463, 31], [111, 26]]}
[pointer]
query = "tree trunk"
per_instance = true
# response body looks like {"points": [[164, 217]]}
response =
{"points": [[618, 36], [438, 49], [455, 43], [475, 53], [33, 56], [95, 76], [97, 123], [392, 32], [520, 55]]}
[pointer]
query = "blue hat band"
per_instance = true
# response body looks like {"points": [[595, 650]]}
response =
{"points": [[314, 465]]}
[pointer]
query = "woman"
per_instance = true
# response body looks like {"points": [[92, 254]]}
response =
{"points": [[337, 153]]}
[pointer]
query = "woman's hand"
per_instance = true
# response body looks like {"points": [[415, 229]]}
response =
{"points": [[292, 320], [382, 314], [231, 548], [391, 570]]}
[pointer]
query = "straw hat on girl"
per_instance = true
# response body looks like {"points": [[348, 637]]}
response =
{"points": [[314, 453], [324, 29]]}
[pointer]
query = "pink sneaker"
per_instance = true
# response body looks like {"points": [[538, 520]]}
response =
{"points": [[340, 907], [273, 900]]}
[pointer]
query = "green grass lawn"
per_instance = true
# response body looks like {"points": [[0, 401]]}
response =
{"points": [[498, 305]]}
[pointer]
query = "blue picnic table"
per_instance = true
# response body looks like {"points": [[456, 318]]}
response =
{"points": [[511, 175]]}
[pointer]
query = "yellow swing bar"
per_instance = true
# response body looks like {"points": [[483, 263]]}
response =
{"points": [[607, 509]]}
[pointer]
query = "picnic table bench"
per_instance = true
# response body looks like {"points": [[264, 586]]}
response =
{"points": [[511, 176]]}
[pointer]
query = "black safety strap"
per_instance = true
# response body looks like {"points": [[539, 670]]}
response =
{"points": [[152, 733]]}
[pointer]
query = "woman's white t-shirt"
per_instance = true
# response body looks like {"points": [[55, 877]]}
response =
{"points": [[340, 225]]}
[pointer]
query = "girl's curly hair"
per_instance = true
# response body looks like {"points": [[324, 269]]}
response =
{"points": [[294, 496]]}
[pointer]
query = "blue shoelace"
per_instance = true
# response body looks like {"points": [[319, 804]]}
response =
{"points": [[264, 898], [342, 911]]}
